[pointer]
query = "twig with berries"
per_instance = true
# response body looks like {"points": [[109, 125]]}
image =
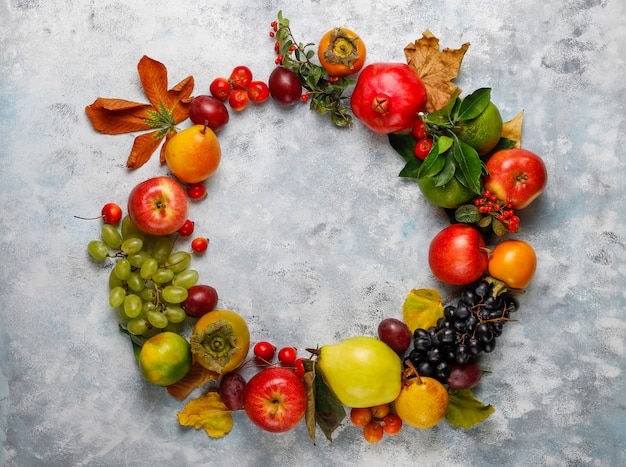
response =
{"points": [[324, 92], [488, 210]]}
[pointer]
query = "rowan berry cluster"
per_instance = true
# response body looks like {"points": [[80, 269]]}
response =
{"points": [[503, 211]]}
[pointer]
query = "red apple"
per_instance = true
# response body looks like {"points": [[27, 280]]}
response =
{"points": [[516, 174], [457, 255], [275, 399], [158, 206]]}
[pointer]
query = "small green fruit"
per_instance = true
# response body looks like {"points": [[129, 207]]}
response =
{"points": [[362, 371]]}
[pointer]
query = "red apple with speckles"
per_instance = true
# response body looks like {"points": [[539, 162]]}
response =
{"points": [[516, 174], [457, 255]]}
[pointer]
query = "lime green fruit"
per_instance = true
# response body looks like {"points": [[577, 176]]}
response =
{"points": [[451, 195], [483, 132], [362, 371], [165, 358]]}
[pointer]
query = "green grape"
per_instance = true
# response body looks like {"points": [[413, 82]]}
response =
{"points": [[137, 259], [161, 247], [135, 282], [148, 294], [137, 326], [129, 230], [117, 296], [98, 249], [148, 268], [122, 313], [111, 236], [175, 314], [114, 281], [178, 261], [132, 305], [163, 276], [157, 319], [147, 306], [132, 245], [174, 294], [122, 269], [186, 279]]}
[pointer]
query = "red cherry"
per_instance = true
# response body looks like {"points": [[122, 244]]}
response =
{"points": [[287, 356], [186, 229], [111, 213], [200, 244], [196, 191], [264, 352]]}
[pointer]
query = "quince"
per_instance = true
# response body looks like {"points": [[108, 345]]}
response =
{"points": [[362, 371]]}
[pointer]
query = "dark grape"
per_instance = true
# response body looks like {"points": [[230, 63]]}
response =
{"points": [[231, 390], [464, 376], [200, 300], [285, 86], [395, 334], [442, 370]]}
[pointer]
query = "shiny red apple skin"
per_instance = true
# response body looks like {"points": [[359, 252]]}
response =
{"points": [[158, 206], [457, 255], [516, 174], [275, 399]]}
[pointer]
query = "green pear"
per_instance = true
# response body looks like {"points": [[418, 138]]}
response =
{"points": [[362, 371]]}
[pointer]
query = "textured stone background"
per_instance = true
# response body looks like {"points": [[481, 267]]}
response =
{"points": [[314, 238]]}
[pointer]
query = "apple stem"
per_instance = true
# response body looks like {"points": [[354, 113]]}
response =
{"points": [[206, 124]]}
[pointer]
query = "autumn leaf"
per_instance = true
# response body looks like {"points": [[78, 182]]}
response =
{"points": [[435, 68], [465, 411], [195, 377], [208, 412], [167, 108], [513, 129], [422, 308]]}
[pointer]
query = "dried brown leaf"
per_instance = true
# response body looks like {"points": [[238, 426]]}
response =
{"points": [[143, 147], [435, 68], [513, 129], [117, 116]]}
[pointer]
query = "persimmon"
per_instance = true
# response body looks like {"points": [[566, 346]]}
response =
{"points": [[341, 52]]}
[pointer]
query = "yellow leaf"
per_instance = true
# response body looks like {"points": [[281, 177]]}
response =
{"points": [[513, 129], [422, 308], [208, 412], [435, 68]]}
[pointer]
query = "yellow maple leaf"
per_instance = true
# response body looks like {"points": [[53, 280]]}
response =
{"points": [[435, 68], [209, 412], [513, 129], [422, 308]]}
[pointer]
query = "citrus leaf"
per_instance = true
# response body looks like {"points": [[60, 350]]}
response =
{"points": [[474, 104], [422, 308], [309, 383], [464, 410], [404, 145], [432, 164], [209, 412], [470, 164], [444, 143], [411, 169], [447, 173]]}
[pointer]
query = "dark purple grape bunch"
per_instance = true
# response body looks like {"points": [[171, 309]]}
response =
{"points": [[468, 328]]}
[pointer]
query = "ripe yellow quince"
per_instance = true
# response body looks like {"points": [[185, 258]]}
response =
{"points": [[362, 371]]}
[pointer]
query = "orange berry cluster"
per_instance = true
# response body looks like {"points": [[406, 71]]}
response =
{"points": [[376, 421]]}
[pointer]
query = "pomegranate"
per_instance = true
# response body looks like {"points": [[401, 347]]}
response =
{"points": [[388, 97]]}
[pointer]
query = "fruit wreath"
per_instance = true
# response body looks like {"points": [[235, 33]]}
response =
{"points": [[421, 367]]}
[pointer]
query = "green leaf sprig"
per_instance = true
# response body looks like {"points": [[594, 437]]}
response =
{"points": [[324, 92], [450, 156]]}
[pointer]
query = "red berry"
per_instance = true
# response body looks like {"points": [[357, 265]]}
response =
{"points": [[111, 213], [241, 77], [423, 147], [258, 92], [186, 229], [199, 244], [298, 367], [392, 424], [419, 130], [220, 88], [287, 356], [264, 352], [238, 99], [196, 191]]}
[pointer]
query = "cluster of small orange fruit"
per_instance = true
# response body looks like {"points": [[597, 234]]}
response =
{"points": [[376, 421]]}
